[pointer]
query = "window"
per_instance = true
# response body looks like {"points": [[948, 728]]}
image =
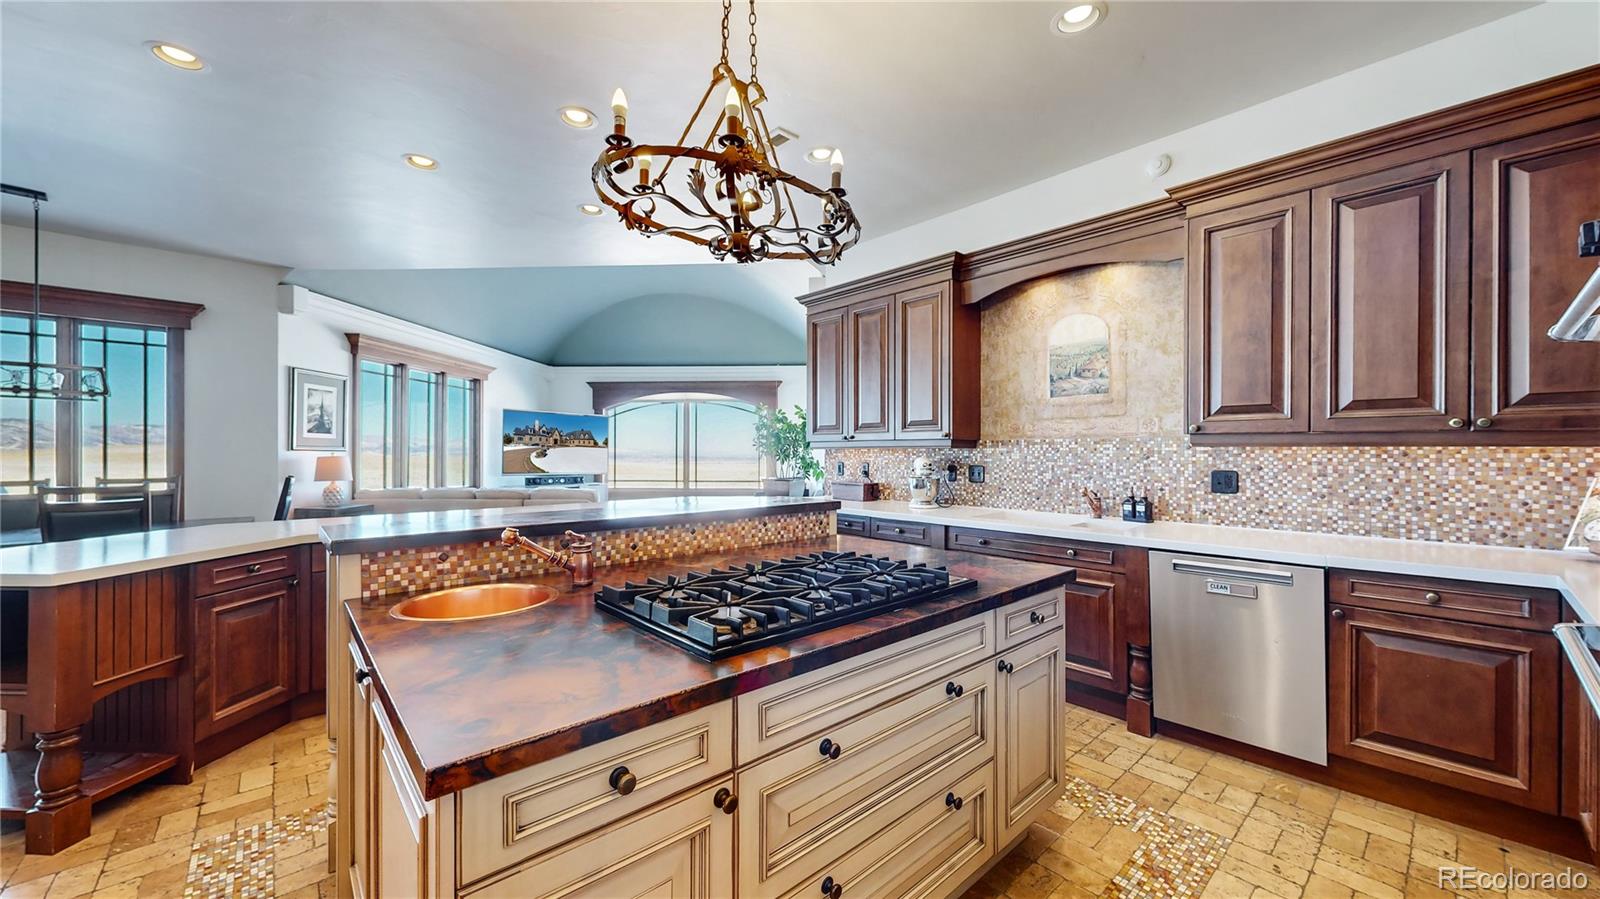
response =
{"points": [[418, 417], [124, 436], [689, 442]]}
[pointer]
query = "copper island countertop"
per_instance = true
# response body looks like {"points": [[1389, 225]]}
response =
{"points": [[479, 699]]}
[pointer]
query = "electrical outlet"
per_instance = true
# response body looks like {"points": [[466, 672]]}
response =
{"points": [[1224, 481], [975, 474], [866, 472], [838, 469], [952, 472]]}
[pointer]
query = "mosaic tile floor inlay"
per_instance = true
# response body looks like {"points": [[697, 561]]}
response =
{"points": [[1139, 819]]}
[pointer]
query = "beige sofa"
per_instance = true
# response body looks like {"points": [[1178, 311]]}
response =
{"points": [[433, 499]]}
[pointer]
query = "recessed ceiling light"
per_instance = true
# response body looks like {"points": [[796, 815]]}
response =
{"points": [[819, 155], [176, 56], [1078, 18], [418, 161], [589, 209], [576, 117]]}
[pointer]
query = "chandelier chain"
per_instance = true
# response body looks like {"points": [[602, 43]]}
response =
{"points": [[753, 41], [727, 11]]}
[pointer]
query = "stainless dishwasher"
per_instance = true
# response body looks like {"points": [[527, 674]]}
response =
{"points": [[1238, 650]]}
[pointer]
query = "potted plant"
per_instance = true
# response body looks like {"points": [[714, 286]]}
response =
{"points": [[782, 438]]}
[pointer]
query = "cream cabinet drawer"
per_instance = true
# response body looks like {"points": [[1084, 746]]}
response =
{"points": [[780, 714], [1022, 621], [514, 817], [807, 805], [927, 852]]}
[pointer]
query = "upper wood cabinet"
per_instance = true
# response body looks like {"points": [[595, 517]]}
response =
{"points": [[1396, 286], [1248, 280], [1529, 195], [1389, 299], [893, 359]]}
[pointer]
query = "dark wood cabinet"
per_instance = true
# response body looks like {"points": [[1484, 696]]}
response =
{"points": [[825, 384], [867, 368], [1529, 196], [1249, 283], [894, 359], [1466, 705], [1097, 648], [1389, 291], [243, 647]]}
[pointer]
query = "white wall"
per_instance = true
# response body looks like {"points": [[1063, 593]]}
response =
{"points": [[230, 354], [311, 334], [1537, 43]]}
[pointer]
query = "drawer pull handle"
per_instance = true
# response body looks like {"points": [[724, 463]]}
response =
{"points": [[951, 800], [363, 675], [1432, 598], [1338, 613], [1072, 554], [725, 800], [1005, 666], [253, 568], [954, 689], [829, 748], [832, 888], [1036, 617], [623, 781]]}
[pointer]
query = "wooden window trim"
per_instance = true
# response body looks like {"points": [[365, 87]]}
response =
{"points": [[98, 306], [365, 346], [405, 359], [614, 393]]}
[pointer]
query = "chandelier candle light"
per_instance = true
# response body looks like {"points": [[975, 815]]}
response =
{"points": [[729, 193]]}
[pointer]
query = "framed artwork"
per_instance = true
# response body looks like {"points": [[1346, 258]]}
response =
{"points": [[1586, 527], [317, 410]]}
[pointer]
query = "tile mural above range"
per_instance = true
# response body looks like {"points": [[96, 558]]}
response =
{"points": [[1503, 496]]}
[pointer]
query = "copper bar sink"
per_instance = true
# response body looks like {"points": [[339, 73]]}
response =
{"points": [[469, 603]]}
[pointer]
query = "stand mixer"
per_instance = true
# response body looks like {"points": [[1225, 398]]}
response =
{"points": [[923, 484]]}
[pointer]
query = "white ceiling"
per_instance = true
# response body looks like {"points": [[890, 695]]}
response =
{"points": [[286, 149]]}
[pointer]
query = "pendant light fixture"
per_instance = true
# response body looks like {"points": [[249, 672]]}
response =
{"points": [[728, 193], [33, 379]]}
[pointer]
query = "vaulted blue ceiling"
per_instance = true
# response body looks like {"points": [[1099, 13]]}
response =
{"points": [[714, 314]]}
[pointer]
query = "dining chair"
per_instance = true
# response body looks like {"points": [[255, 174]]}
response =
{"points": [[80, 519], [19, 504], [280, 512], [165, 502]]}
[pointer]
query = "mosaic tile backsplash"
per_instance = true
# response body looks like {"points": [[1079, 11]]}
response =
{"points": [[393, 572], [1504, 496]]}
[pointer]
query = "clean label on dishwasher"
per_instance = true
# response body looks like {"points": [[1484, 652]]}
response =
{"points": [[1242, 591]]}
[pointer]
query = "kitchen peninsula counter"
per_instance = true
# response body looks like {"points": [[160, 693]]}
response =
{"points": [[479, 699]]}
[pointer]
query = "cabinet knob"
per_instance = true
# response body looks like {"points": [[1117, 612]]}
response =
{"points": [[1194, 429], [951, 800], [1483, 422], [829, 748], [899, 530], [1071, 554], [725, 800], [946, 433], [1338, 613], [1457, 422], [1432, 598], [953, 689], [252, 568], [832, 888], [1036, 617], [1005, 666], [623, 781], [294, 582], [983, 541], [363, 675]]}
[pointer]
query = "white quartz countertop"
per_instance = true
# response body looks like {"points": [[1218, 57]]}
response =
{"points": [[1575, 575], [72, 561]]}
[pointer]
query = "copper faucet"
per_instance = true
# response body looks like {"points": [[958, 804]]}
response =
{"points": [[576, 554]]}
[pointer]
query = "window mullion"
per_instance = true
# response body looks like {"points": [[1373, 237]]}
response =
{"points": [[436, 439]]}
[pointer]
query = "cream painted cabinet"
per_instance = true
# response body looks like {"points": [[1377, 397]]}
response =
{"points": [[679, 850], [1032, 693], [357, 809], [400, 819]]}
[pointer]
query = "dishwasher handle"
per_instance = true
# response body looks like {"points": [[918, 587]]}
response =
{"points": [[1234, 572]]}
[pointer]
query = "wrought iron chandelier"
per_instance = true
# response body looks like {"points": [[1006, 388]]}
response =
{"points": [[33, 379], [730, 195]]}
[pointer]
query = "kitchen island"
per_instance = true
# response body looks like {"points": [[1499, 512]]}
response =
{"points": [[560, 747]]}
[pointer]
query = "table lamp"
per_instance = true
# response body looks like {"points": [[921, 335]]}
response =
{"points": [[332, 469]]}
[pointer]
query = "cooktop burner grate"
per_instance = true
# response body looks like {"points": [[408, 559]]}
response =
{"points": [[723, 612]]}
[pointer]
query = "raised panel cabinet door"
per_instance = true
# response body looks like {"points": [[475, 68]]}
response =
{"points": [[1030, 759], [1464, 705], [1097, 650], [922, 363], [1529, 196], [244, 644], [677, 850], [825, 369], [400, 819], [871, 349], [1390, 272], [1249, 288], [357, 807]]}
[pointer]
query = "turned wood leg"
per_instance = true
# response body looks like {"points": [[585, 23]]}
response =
{"points": [[60, 813], [1141, 716]]}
